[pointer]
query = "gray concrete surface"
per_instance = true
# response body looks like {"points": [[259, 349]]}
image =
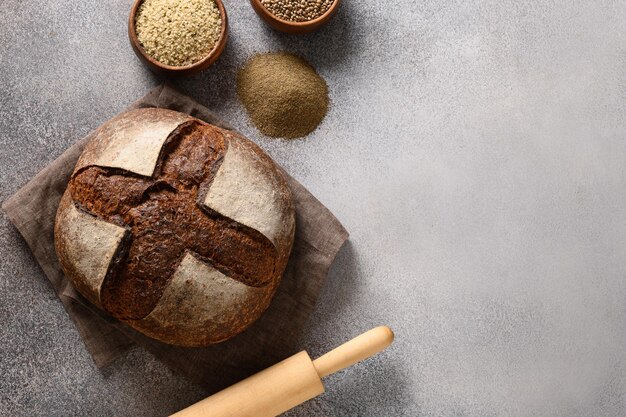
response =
{"points": [[476, 151]]}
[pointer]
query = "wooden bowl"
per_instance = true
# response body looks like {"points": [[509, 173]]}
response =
{"points": [[293, 27], [165, 69]]}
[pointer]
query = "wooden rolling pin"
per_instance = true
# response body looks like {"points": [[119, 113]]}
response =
{"points": [[288, 383]]}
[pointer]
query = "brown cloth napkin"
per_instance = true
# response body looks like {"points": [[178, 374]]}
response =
{"points": [[319, 236]]}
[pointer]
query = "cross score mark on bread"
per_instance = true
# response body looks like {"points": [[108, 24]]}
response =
{"points": [[198, 231]]}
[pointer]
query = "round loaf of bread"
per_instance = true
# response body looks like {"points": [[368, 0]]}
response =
{"points": [[176, 227]]}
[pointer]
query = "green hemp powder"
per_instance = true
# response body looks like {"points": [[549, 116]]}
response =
{"points": [[282, 94]]}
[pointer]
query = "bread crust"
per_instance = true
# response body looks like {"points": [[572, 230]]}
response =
{"points": [[132, 141], [85, 246], [266, 204], [204, 295]]}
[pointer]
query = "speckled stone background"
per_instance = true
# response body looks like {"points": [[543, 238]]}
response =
{"points": [[476, 151]]}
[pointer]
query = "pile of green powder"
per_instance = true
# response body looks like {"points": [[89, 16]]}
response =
{"points": [[283, 94]]}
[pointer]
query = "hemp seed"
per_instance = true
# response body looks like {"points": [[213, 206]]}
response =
{"points": [[297, 10], [178, 32]]}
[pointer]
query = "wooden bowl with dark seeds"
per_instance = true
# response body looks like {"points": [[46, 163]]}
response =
{"points": [[165, 69], [288, 26]]}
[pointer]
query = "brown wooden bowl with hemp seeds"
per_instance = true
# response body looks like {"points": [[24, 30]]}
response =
{"points": [[178, 37], [295, 16]]}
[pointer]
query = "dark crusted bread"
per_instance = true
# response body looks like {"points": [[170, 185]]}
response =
{"points": [[176, 227]]}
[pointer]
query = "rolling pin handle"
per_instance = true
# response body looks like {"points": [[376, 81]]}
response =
{"points": [[357, 349]]}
